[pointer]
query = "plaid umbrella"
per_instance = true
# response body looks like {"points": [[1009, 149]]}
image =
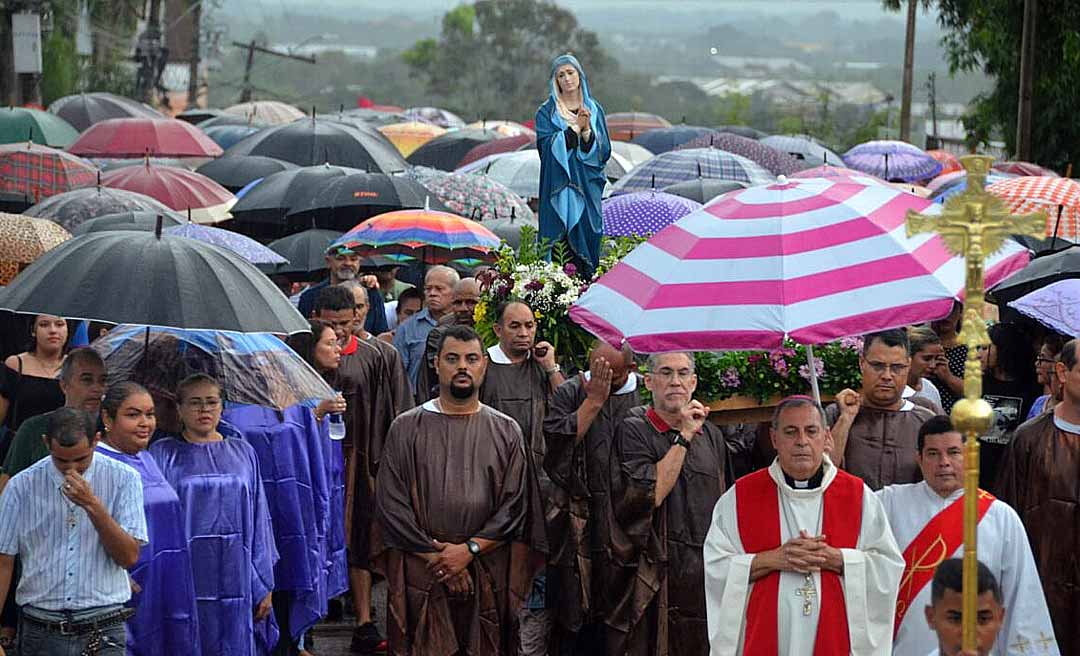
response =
{"points": [[24, 239], [804, 148], [407, 137], [270, 112], [518, 171], [625, 126], [892, 160], [1059, 198], [38, 172], [644, 213], [72, 208], [436, 116], [1024, 168], [203, 199], [661, 140], [135, 137], [474, 196], [774, 161], [25, 124], [432, 237], [496, 146], [85, 109], [680, 165]]}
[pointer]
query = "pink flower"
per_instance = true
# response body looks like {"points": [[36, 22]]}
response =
{"points": [[730, 378], [569, 269], [779, 364], [853, 343], [534, 285], [819, 368]]}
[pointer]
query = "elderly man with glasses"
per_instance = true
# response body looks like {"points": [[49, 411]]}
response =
{"points": [[875, 430]]}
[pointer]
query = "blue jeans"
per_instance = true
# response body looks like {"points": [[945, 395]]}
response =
{"points": [[36, 640]]}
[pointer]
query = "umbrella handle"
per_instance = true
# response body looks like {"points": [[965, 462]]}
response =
{"points": [[1053, 240], [813, 373]]}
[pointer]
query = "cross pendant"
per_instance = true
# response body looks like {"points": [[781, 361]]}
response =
{"points": [[807, 592]]}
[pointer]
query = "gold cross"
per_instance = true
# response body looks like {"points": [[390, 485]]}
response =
{"points": [[974, 224], [1020, 645], [1045, 641], [807, 592]]}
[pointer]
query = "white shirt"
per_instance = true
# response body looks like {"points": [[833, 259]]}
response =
{"points": [[65, 566], [1003, 547], [871, 575], [928, 391]]}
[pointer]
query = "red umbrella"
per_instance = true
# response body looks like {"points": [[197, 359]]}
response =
{"points": [[1024, 169], [624, 126], [504, 145], [949, 162], [38, 172], [136, 137], [180, 189]]}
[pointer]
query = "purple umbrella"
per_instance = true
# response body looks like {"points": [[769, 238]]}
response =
{"points": [[644, 212], [892, 160], [244, 246], [1057, 305], [775, 161]]}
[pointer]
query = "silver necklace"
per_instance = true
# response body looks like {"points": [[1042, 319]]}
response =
{"points": [[808, 591]]}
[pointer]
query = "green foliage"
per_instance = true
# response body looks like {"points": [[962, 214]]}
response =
{"points": [[60, 67], [986, 36]]}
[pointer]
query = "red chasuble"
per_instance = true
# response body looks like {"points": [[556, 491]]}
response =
{"points": [[938, 540], [758, 506]]}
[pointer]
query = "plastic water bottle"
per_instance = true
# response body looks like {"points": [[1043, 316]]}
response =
{"points": [[337, 424]]}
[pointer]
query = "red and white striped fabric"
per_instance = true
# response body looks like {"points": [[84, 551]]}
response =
{"points": [[1043, 194], [814, 259]]}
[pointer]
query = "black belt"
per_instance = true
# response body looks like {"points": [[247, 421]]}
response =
{"points": [[82, 627]]}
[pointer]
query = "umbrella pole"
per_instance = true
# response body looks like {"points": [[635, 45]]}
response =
{"points": [[813, 374], [1057, 224]]}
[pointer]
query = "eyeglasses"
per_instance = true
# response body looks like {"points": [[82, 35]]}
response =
{"points": [[881, 367], [203, 404]]}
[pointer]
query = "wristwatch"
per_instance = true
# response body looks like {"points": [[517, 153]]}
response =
{"points": [[681, 441], [554, 370], [474, 548]]}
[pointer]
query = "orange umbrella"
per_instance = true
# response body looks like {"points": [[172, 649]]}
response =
{"points": [[1059, 198], [24, 239], [624, 126], [409, 136], [949, 162]]}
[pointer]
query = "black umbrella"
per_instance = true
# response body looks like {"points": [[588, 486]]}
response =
{"points": [[1043, 270], [305, 252], [509, 229], [71, 208], [197, 116], [139, 220], [446, 151], [313, 141], [661, 140], [270, 200], [742, 131], [155, 279], [1040, 245], [345, 201], [703, 190], [236, 171], [84, 109]]}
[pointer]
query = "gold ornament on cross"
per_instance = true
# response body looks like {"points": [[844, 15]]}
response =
{"points": [[974, 224]]}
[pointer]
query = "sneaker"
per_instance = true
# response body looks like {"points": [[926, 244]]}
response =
{"points": [[366, 640]]}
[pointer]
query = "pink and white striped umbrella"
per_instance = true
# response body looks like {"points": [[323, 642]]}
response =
{"points": [[814, 259]]}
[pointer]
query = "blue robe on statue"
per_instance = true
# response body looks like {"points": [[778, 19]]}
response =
{"points": [[572, 179], [294, 454], [166, 618], [228, 528]]}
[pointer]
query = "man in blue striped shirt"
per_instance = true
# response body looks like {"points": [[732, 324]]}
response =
{"points": [[76, 522]]}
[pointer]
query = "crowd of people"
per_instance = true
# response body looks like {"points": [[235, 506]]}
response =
{"points": [[511, 507]]}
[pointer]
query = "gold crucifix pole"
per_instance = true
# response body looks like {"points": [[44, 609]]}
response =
{"points": [[973, 225]]}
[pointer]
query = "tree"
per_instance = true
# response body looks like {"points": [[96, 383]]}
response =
{"points": [[909, 62], [986, 35], [491, 58]]}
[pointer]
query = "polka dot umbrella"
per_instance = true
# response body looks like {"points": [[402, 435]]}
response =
{"points": [[476, 197], [644, 213]]}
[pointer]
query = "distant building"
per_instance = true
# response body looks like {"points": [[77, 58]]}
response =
{"points": [[791, 93], [763, 64]]}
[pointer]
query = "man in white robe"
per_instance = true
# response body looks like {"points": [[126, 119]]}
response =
{"points": [[800, 560], [927, 520]]}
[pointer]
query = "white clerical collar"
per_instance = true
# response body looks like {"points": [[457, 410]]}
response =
{"points": [[1066, 426], [496, 354], [778, 477], [907, 406], [629, 386]]}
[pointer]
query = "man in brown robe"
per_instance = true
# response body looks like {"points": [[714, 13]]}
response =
{"points": [[669, 466], [451, 503], [1038, 479], [368, 385], [463, 303], [579, 428], [521, 377], [875, 430]]}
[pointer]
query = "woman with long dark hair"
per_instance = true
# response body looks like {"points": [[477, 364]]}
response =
{"points": [[1009, 385]]}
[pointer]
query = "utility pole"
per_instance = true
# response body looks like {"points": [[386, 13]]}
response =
{"points": [[931, 90], [149, 54], [1027, 79], [196, 44], [909, 65], [245, 94]]}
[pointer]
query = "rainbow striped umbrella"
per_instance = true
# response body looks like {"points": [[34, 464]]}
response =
{"points": [[430, 236], [812, 259]]}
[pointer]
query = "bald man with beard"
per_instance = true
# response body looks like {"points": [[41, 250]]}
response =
{"points": [[466, 295], [579, 428]]}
